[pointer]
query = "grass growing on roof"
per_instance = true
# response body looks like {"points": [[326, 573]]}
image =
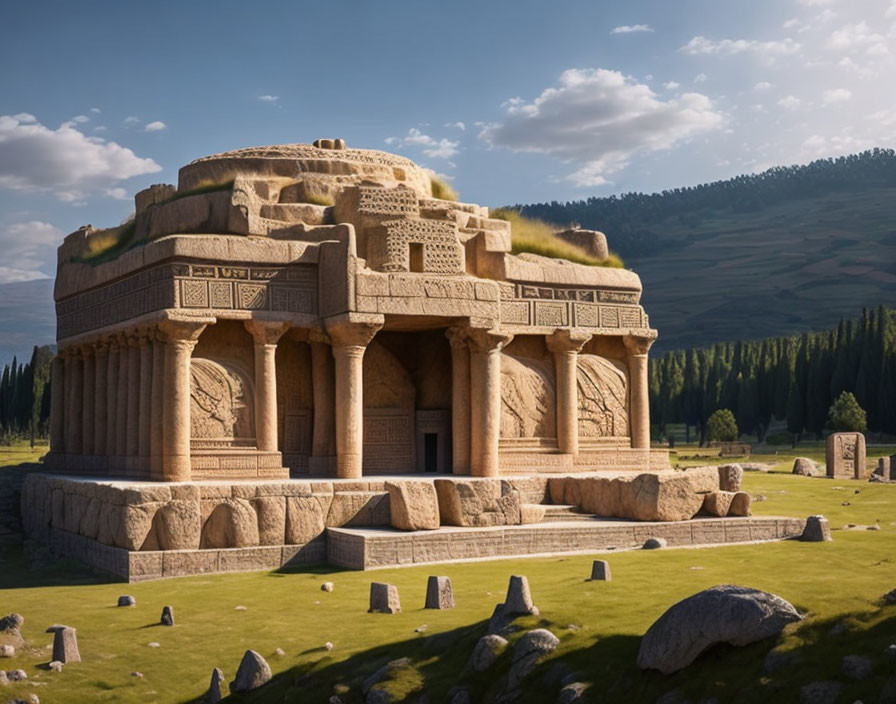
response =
{"points": [[599, 623], [442, 190], [538, 237]]}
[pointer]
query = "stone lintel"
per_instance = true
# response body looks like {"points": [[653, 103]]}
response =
{"points": [[353, 329]]}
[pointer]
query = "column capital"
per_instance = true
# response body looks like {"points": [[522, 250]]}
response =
{"points": [[181, 330], [457, 336], [101, 347], [354, 331], [567, 340], [482, 340], [266, 332], [315, 335], [638, 344]]}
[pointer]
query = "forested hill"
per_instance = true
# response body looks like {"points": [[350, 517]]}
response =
{"points": [[792, 249]]}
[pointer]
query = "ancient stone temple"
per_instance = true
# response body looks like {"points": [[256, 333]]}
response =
{"points": [[313, 310], [300, 355]]}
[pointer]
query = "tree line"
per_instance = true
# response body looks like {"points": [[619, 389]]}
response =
{"points": [[25, 397], [785, 378], [630, 219]]}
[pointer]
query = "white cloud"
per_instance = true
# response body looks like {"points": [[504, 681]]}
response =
{"points": [[118, 193], [458, 125], [701, 45], [272, 99], [435, 148], [131, 120], [791, 102], [64, 161], [631, 29], [700, 78], [99, 128], [816, 3], [600, 119], [155, 126], [836, 95], [80, 119], [31, 247], [792, 23], [96, 110], [671, 85], [762, 85], [891, 11], [854, 36]]}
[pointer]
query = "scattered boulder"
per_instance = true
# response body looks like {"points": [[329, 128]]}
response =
{"points": [[384, 598], [572, 693], [519, 599], [722, 614], [529, 649], [856, 667], [16, 675], [717, 503], [252, 673], [600, 571], [730, 477], [740, 504], [755, 467], [65, 645], [7, 651], [654, 543], [825, 692], [439, 594], [327, 587], [153, 644], [413, 505], [13, 621], [817, 530], [486, 651], [167, 616], [376, 695], [56, 666], [4, 680], [215, 693], [328, 645], [805, 467], [127, 600]]}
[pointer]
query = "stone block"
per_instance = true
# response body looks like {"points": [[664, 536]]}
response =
{"points": [[439, 594], [518, 600], [413, 505], [817, 530], [600, 571], [384, 598], [271, 512], [305, 519], [740, 504], [232, 524], [845, 455], [730, 477], [717, 503], [65, 645], [531, 513]]}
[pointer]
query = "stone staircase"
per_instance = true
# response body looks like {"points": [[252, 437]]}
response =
{"points": [[556, 513]]}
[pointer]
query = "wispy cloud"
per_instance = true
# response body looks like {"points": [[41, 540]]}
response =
{"points": [[701, 45], [431, 147], [28, 250], [156, 126], [836, 95], [631, 29], [270, 99]]}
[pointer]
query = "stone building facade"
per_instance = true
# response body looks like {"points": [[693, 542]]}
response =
{"points": [[313, 311]]}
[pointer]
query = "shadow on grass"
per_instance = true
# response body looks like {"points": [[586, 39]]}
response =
{"points": [[17, 571]]}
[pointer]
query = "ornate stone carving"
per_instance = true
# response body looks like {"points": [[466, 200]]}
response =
{"points": [[221, 404], [603, 397], [528, 398]]}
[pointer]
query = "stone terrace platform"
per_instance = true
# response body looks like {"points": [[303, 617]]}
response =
{"points": [[371, 548]]}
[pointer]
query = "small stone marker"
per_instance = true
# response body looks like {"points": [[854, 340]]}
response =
{"points": [[893, 468], [65, 645], [56, 666], [7, 651], [439, 594], [883, 467], [805, 467], [326, 587], [654, 543], [384, 598], [127, 600], [845, 455], [214, 688], [167, 616], [16, 675], [253, 672], [519, 599], [600, 571], [817, 530]]}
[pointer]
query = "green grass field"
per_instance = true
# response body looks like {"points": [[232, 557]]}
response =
{"points": [[599, 623]]}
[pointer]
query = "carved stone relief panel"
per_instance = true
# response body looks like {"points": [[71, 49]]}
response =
{"points": [[603, 397], [528, 398], [221, 404]]}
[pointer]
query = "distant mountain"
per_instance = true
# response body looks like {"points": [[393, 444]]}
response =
{"points": [[785, 251], [27, 318]]}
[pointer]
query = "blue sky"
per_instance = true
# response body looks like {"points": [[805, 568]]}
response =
{"points": [[511, 101]]}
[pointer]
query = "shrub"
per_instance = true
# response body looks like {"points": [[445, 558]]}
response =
{"points": [[845, 414], [721, 426], [442, 190]]}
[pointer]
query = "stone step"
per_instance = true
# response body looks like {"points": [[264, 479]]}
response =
{"points": [[555, 513]]}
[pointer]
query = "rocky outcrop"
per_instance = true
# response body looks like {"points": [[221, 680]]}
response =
{"points": [[723, 614]]}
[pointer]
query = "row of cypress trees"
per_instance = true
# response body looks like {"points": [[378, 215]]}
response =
{"points": [[25, 396], [786, 378]]}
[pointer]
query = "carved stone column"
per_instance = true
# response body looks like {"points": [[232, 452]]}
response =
{"points": [[74, 389], [322, 387], [266, 335], [144, 414], [485, 400], [639, 411], [181, 337], [121, 402], [87, 400], [156, 403], [566, 345], [112, 402], [350, 340], [57, 405], [460, 400], [133, 423], [100, 390]]}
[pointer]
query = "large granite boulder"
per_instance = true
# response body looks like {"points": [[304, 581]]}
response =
{"points": [[232, 524], [253, 672], [477, 502], [722, 614], [805, 467], [413, 505]]}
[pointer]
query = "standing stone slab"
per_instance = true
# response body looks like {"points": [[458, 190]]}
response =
{"points": [[253, 672], [214, 688], [65, 645], [600, 571], [883, 467], [519, 599], [384, 598], [167, 616], [439, 594], [845, 455], [126, 600], [892, 468], [817, 530]]}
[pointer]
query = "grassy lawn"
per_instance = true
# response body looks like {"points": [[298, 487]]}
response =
{"points": [[599, 623], [20, 451]]}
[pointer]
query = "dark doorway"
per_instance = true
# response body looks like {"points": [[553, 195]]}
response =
{"points": [[416, 257], [431, 452]]}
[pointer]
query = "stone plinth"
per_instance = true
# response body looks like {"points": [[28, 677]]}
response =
{"points": [[845, 455]]}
